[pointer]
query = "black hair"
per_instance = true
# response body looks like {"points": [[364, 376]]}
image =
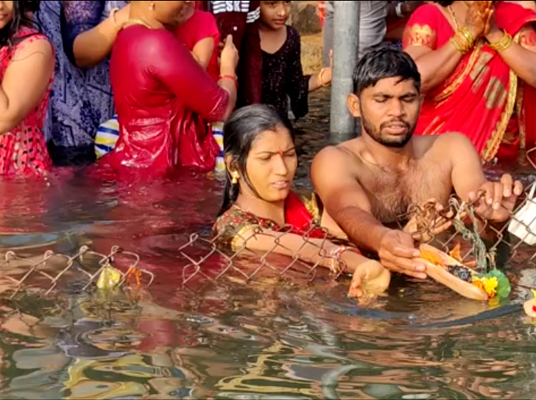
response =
{"points": [[239, 133], [20, 19], [381, 62], [447, 3]]}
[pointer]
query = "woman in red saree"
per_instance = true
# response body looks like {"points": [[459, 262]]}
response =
{"points": [[159, 88], [261, 161], [478, 66]]}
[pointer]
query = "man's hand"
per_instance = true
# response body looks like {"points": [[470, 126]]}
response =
{"points": [[397, 251], [499, 199]]}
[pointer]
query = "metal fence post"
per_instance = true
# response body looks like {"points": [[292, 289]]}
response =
{"points": [[345, 53]]}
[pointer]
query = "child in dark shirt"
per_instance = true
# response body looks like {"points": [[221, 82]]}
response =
{"points": [[282, 73]]}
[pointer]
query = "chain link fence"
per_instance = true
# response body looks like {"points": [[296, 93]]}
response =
{"points": [[476, 242], [86, 266], [201, 258]]}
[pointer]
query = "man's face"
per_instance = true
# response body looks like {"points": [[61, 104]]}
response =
{"points": [[389, 111]]}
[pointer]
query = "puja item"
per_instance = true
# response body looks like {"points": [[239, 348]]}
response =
{"points": [[449, 271]]}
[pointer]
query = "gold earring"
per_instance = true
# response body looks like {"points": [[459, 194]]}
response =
{"points": [[151, 7], [234, 181]]}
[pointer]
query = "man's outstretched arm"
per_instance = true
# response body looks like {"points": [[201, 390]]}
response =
{"points": [[347, 203], [468, 179]]}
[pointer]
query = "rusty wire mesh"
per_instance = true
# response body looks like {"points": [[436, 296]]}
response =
{"points": [[497, 246], [49, 268], [257, 262], [501, 247]]}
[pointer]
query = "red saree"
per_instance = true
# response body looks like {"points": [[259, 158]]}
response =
{"points": [[483, 98]]}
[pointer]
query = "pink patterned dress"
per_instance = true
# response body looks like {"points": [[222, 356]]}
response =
{"points": [[23, 150]]}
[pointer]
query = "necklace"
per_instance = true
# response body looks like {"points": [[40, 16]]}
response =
{"points": [[139, 21], [453, 17]]}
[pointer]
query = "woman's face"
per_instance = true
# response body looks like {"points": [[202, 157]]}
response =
{"points": [[168, 12], [6, 13], [275, 13], [271, 165]]}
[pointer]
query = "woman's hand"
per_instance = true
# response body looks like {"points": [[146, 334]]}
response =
{"points": [[229, 57], [477, 18], [493, 33], [121, 17], [370, 279]]}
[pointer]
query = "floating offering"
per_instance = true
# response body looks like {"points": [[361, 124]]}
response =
{"points": [[530, 306], [109, 278], [465, 281]]}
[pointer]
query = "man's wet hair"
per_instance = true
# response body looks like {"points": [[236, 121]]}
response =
{"points": [[382, 62]]}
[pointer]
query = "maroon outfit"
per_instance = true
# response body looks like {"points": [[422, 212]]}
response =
{"points": [[241, 20], [158, 89]]}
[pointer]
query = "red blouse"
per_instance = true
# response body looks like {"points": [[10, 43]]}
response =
{"points": [[157, 87]]}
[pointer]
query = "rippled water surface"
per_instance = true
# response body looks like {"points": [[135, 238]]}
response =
{"points": [[269, 339]]}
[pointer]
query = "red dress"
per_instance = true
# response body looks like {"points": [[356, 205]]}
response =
{"points": [[200, 26], [23, 150], [158, 87]]}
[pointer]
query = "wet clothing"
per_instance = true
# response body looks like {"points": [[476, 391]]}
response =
{"points": [[158, 90], [200, 26], [282, 77], [23, 150]]}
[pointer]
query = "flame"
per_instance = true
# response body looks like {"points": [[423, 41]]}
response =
{"points": [[456, 252], [432, 257]]}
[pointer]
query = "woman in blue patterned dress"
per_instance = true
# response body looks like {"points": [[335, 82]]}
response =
{"points": [[83, 33]]}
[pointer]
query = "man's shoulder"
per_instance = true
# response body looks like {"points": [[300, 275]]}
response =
{"points": [[344, 149], [445, 142], [343, 155]]}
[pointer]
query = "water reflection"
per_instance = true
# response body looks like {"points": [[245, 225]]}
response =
{"points": [[267, 339]]}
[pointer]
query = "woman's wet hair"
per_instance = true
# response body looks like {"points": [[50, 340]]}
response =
{"points": [[239, 133], [20, 19], [382, 62]]}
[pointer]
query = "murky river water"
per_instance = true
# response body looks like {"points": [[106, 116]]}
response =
{"points": [[265, 340]]}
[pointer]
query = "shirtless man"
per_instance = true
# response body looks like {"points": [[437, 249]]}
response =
{"points": [[367, 182]]}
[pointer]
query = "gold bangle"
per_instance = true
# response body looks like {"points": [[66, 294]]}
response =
{"points": [[503, 43], [460, 43], [320, 74], [112, 16], [465, 33]]}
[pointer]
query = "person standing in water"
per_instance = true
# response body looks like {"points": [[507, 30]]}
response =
{"points": [[159, 90], [282, 73], [367, 183], [26, 71], [261, 160]]}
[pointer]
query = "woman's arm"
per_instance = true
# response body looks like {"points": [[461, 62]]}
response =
{"points": [[369, 276], [520, 57], [420, 41], [309, 250], [25, 81], [89, 41], [173, 65], [203, 50], [434, 65]]}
